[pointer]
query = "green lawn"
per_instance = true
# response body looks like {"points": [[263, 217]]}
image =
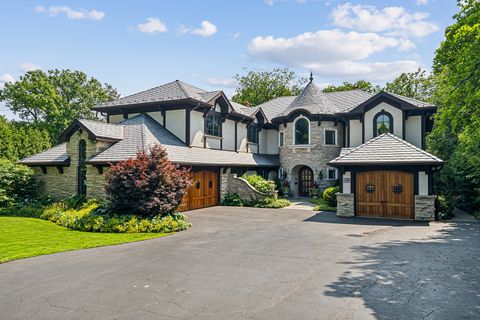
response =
{"points": [[29, 237]]}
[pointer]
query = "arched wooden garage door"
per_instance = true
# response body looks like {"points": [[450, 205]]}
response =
{"points": [[203, 192], [386, 194]]}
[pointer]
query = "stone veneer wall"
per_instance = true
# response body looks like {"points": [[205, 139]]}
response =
{"points": [[64, 185], [316, 158], [345, 204], [230, 183], [425, 208]]}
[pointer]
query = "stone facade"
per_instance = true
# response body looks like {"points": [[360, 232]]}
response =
{"points": [[425, 208], [345, 204], [292, 157], [230, 183]]}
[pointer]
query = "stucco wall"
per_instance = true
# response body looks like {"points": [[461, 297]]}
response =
{"points": [[413, 130], [228, 133], [272, 141], [347, 182], [355, 133], [175, 123], [197, 124], [241, 137], [397, 119], [116, 118], [422, 183]]}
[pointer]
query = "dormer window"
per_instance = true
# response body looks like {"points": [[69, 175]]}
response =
{"points": [[252, 133], [213, 125], [382, 123], [302, 131]]}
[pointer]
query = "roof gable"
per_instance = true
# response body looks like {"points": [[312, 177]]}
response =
{"points": [[395, 100], [97, 130]]}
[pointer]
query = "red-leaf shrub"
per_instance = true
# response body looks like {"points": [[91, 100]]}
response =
{"points": [[148, 185]]}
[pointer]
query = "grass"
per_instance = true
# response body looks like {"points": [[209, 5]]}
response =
{"points": [[322, 206], [29, 237]]}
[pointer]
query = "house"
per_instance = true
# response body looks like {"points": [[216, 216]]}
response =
{"points": [[372, 145]]}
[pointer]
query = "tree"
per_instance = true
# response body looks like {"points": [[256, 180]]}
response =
{"points": [[53, 99], [417, 85], [17, 183], [257, 87], [360, 85], [147, 185], [456, 132], [19, 140]]}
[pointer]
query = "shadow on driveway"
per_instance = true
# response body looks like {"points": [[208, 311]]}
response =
{"points": [[331, 217], [436, 278]]}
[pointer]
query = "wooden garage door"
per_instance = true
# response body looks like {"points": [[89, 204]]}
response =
{"points": [[384, 194], [203, 192]]}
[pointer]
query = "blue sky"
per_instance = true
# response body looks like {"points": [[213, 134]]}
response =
{"points": [[135, 45]]}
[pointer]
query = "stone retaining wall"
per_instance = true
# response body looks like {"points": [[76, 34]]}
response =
{"points": [[425, 208], [345, 204], [230, 183]]}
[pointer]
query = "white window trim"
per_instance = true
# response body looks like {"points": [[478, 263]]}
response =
{"points": [[325, 137], [336, 173], [293, 131]]}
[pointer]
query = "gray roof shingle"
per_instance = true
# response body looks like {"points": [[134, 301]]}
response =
{"points": [[55, 155], [385, 149], [103, 129]]}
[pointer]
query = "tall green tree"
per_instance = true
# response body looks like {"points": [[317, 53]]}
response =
{"points": [[418, 85], [456, 133], [257, 87], [360, 85], [54, 98]]}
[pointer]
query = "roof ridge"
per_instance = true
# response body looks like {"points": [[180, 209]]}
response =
{"points": [[179, 83]]}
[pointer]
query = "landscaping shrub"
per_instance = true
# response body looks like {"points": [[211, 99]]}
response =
{"points": [[444, 207], [91, 216], [271, 203], [259, 183], [330, 196], [232, 199], [29, 210], [147, 185], [322, 205], [17, 183]]}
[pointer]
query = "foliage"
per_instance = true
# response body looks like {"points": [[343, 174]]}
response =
{"points": [[456, 131], [27, 237], [53, 99], [147, 185], [30, 210], [417, 85], [322, 205], [19, 140], [94, 218], [259, 183], [268, 202], [444, 207], [330, 196], [257, 87], [17, 183], [232, 199], [360, 84]]}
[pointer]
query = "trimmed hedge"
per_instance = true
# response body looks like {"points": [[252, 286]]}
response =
{"points": [[330, 196], [234, 199]]}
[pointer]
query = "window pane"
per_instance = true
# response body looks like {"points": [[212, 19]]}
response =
{"points": [[301, 131], [252, 134], [331, 174], [329, 137], [212, 126], [383, 124], [281, 139]]}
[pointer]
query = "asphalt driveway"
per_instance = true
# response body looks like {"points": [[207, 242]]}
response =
{"points": [[243, 263]]}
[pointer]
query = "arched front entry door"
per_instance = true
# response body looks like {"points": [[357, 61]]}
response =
{"points": [[305, 181]]}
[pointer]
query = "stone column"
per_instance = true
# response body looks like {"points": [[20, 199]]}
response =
{"points": [[224, 181], [425, 208], [345, 204]]}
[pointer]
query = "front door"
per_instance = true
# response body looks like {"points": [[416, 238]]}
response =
{"points": [[305, 181], [384, 194], [203, 192]]}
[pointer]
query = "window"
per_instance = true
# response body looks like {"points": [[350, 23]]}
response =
{"points": [[213, 125], [332, 174], [82, 169], [280, 139], [330, 137], [382, 123], [252, 134], [302, 131]]}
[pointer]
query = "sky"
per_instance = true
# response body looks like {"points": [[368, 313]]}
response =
{"points": [[136, 45]]}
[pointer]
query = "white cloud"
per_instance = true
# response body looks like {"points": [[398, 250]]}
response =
{"points": [[222, 82], [422, 2], [28, 66], [182, 29], [152, 26], [391, 20], [206, 29], [6, 77], [81, 14]]}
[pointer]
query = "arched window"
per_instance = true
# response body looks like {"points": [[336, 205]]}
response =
{"points": [[82, 169], [302, 131], [382, 123]]}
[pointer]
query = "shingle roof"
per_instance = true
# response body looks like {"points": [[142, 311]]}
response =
{"points": [[103, 129], [175, 90], [140, 132], [386, 149], [55, 155], [346, 100], [236, 106], [415, 102], [276, 106]]}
